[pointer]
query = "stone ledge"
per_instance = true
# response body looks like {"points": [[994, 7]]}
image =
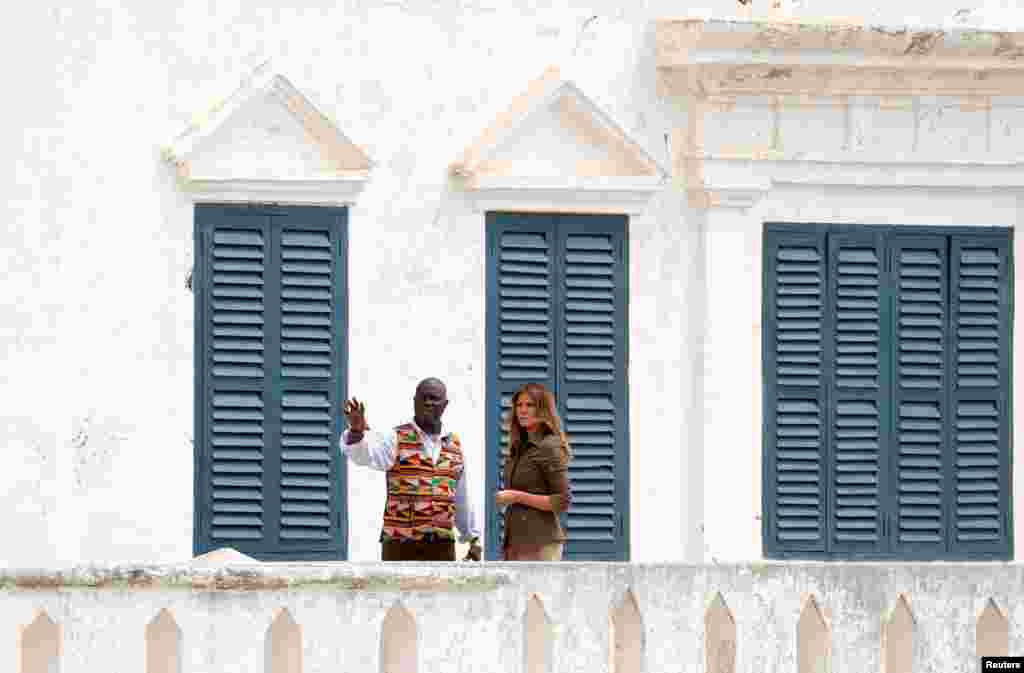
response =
{"points": [[259, 577], [416, 577]]}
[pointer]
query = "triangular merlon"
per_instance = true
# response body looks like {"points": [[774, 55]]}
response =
{"points": [[347, 158], [576, 109]]}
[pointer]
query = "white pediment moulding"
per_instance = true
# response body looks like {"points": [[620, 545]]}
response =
{"points": [[605, 169], [731, 57], [266, 142]]}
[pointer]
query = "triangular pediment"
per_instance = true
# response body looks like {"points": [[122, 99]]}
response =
{"points": [[554, 134], [267, 139]]}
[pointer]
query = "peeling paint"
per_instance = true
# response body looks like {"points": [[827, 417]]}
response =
{"points": [[779, 73], [922, 43]]}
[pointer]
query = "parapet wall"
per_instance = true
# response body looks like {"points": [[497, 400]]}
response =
{"points": [[511, 618]]}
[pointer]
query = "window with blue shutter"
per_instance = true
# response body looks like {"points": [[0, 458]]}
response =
{"points": [[271, 335], [886, 378], [557, 314]]}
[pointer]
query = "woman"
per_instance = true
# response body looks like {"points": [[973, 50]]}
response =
{"points": [[536, 477]]}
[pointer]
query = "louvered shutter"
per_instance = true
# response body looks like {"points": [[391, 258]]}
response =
{"points": [[270, 364], [232, 363], [309, 383], [795, 443], [592, 348], [979, 395], [858, 399], [919, 361], [520, 333]]}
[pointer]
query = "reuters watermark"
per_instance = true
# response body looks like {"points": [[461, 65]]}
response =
{"points": [[1002, 664]]}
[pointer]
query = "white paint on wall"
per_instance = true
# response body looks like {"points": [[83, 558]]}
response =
{"points": [[96, 245]]}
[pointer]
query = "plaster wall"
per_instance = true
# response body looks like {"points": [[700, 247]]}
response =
{"points": [[97, 322]]}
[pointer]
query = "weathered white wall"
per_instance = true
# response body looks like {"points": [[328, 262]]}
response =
{"points": [[97, 323], [475, 618]]}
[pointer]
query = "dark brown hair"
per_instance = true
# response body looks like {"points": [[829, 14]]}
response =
{"points": [[547, 418]]}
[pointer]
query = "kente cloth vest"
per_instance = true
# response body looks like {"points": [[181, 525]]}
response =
{"points": [[421, 494]]}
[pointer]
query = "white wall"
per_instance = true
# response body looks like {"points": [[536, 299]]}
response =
{"points": [[97, 324]]}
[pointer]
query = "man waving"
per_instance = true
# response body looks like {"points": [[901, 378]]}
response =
{"points": [[425, 477]]}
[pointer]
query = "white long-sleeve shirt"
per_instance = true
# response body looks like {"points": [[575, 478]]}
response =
{"points": [[377, 451]]}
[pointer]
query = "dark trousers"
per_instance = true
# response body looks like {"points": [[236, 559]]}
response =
{"points": [[417, 551]]}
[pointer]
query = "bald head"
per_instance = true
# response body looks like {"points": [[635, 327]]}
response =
{"points": [[429, 404], [430, 381]]}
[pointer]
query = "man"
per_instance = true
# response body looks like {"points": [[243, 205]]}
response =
{"points": [[425, 479]]}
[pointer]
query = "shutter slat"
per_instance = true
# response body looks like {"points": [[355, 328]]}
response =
{"points": [[520, 339], [795, 265], [304, 415], [920, 424], [979, 461], [234, 417], [228, 491], [307, 301], [591, 382]]}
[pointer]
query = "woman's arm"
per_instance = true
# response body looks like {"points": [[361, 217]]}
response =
{"points": [[542, 502], [556, 474]]}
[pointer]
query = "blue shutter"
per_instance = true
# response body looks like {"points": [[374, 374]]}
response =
{"points": [[310, 382], [232, 366], [919, 491], [592, 387], [858, 399], [270, 371], [979, 396], [914, 376], [795, 404], [520, 333]]}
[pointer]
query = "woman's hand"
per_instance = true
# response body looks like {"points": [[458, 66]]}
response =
{"points": [[507, 497]]}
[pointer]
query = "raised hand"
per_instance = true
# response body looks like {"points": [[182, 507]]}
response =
{"points": [[355, 413]]}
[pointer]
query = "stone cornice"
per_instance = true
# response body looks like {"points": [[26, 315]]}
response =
{"points": [[739, 57]]}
